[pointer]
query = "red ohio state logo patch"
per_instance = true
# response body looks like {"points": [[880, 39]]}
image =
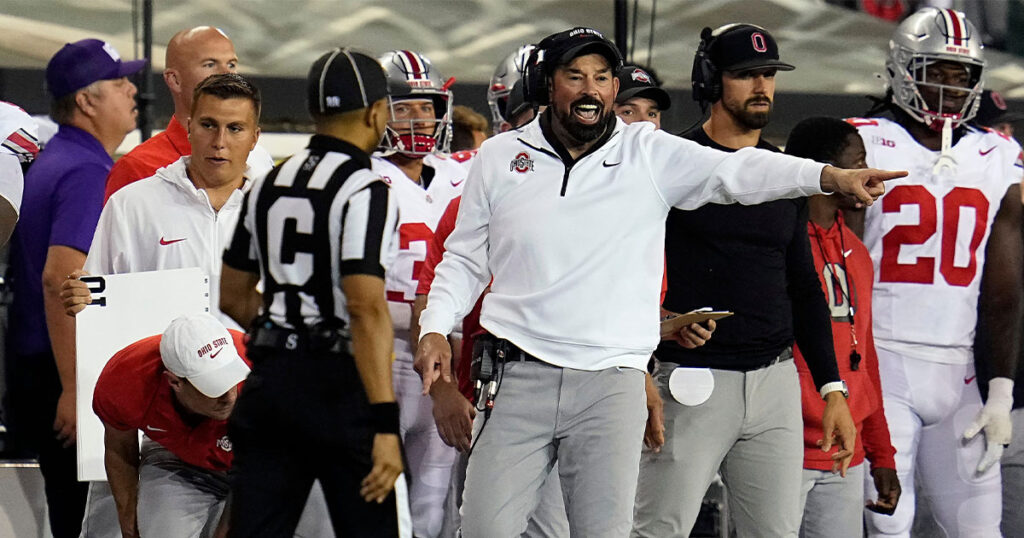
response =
{"points": [[522, 163]]}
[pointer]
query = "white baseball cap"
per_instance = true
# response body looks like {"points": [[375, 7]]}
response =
{"points": [[200, 349]]}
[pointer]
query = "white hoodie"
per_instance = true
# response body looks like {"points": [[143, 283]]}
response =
{"points": [[577, 254]]}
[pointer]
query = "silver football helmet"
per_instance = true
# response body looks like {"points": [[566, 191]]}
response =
{"points": [[508, 72], [928, 36], [412, 76]]}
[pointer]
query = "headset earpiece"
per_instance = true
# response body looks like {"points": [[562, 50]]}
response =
{"points": [[706, 80], [535, 86]]}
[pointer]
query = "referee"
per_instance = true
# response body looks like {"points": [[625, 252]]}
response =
{"points": [[319, 230]]}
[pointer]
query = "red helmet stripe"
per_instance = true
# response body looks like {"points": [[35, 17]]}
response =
{"points": [[414, 63], [26, 143], [955, 26]]}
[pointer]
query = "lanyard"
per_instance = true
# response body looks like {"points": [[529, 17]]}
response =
{"points": [[845, 291]]}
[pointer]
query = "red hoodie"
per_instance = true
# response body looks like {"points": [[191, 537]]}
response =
{"points": [[865, 388]]}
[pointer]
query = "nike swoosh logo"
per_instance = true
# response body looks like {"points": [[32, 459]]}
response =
{"points": [[847, 253], [986, 152], [454, 184], [609, 165], [967, 380], [166, 242], [151, 428], [215, 353]]}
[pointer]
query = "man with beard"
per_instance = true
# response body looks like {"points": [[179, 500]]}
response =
{"points": [[733, 405], [570, 204]]}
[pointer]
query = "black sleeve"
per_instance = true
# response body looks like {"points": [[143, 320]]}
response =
{"points": [[241, 252], [812, 325], [369, 221]]}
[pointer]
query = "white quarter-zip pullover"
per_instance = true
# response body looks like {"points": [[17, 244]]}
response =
{"points": [[165, 222], [577, 248]]}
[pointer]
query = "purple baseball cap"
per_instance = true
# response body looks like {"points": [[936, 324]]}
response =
{"points": [[79, 64]]}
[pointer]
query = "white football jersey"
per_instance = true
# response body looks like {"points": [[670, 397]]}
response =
{"points": [[419, 210], [927, 237]]}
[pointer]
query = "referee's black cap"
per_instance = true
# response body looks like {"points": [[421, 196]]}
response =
{"points": [[342, 80]]}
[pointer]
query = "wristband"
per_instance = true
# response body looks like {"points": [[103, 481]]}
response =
{"points": [[384, 417]]}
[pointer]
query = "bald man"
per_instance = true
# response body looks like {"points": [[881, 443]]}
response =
{"points": [[192, 55]]}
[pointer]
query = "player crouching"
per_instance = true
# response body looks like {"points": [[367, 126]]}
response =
{"points": [[178, 388]]}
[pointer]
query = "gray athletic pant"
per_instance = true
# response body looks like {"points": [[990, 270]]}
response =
{"points": [[832, 506], [547, 520], [179, 500], [751, 431], [592, 423], [1013, 480]]}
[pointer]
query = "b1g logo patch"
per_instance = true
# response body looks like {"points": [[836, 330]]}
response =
{"points": [[522, 163], [224, 444], [880, 141]]}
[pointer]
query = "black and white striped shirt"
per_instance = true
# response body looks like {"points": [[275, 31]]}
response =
{"points": [[319, 216]]}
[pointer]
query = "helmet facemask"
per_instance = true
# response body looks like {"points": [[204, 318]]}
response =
{"points": [[907, 84], [418, 137]]}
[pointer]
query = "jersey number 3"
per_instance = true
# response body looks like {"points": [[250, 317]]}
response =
{"points": [[922, 271], [410, 263]]}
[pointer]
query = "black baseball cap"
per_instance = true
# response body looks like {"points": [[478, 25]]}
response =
{"points": [[741, 47], [342, 80], [993, 110], [563, 47], [634, 81]]}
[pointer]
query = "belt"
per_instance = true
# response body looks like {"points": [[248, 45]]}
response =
{"points": [[508, 352], [783, 356], [331, 342]]}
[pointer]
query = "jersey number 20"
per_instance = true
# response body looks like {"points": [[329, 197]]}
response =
{"points": [[922, 271]]}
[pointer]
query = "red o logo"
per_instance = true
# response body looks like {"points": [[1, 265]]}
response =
{"points": [[758, 40]]}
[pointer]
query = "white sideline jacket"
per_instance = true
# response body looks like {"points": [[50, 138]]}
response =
{"points": [[577, 274], [165, 222]]}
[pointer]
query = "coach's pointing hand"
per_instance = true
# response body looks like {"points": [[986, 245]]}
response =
{"points": [[433, 360], [866, 184]]}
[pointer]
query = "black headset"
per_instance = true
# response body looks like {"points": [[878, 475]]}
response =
{"points": [[706, 78], [535, 86], [535, 73]]}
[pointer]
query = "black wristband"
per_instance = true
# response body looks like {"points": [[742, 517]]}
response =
{"points": [[384, 417]]}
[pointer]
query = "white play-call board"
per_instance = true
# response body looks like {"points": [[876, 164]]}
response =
{"points": [[125, 308]]}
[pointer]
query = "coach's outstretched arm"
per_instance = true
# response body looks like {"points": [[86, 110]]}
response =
{"points": [[746, 176], [1000, 310], [372, 345]]}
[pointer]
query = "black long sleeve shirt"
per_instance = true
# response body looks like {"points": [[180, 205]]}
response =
{"points": [[755, 261]]}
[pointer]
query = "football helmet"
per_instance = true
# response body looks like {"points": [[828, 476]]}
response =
{"points": [[508, 72], [928, 36], [412, 76]]}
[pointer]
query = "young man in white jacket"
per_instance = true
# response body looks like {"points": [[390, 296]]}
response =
{"points": [[568, 215], [183, 216]]}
